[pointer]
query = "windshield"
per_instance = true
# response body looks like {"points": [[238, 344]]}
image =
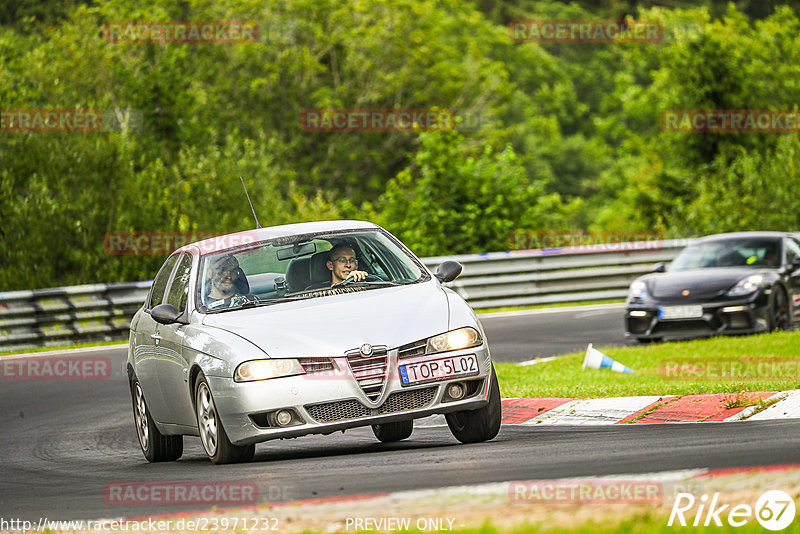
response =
{"points": [[302, 267], [750, 252]]}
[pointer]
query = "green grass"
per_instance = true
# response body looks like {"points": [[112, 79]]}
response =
{"points": [[564, 376], [551, 305], [62, 347]]}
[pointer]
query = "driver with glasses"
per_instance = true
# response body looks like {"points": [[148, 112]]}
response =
{"points": [[343, 265]]}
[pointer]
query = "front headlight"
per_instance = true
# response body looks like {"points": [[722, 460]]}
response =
{"points": [[461, 338], [638, 290], [266, 369], [747, 285]]}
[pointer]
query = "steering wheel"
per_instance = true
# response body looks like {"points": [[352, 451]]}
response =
{"points": [[369, 278]]}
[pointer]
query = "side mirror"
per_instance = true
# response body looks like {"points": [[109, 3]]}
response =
{"points": [[660, 267], [165, 314], [448, 271], [796, 263]]}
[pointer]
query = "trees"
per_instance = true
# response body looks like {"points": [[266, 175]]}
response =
{"points": [[455, 199], [559, 135]]}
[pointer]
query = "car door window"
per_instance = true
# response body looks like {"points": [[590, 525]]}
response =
{"points": [[179, 288], [160, 282], [792, 251]]}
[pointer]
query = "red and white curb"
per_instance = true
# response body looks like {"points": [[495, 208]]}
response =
{"points": [[335, 514], [645, 409], [653, 409]]}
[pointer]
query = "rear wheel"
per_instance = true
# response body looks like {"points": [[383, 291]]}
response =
{"points": [[156, 446], [779, 310], [473, 426], [389, 432], [215, 441]]}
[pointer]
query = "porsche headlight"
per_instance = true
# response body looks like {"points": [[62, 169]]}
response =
{"points": [[461, 338], [266, 369], [747, 285], [638, 290]]}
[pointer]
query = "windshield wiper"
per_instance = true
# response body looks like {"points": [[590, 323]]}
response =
{"points": [[282, 299], [350, 282]]}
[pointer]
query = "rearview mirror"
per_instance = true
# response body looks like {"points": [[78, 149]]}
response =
{"points": [[165, 314], [299, 249], [448, 271], [660, 267]]}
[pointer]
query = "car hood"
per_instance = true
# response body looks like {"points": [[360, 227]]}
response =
{"points": [[701, 283], [329, 326]]}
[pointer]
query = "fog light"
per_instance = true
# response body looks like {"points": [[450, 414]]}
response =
{"points": [[638, 313], [283, 417], [455, 391]]}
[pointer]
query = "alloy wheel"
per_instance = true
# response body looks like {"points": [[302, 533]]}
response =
{"points": [[140, 415], [207, 419]]}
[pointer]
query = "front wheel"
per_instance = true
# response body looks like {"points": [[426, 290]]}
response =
{"points": [[778, 314], [156, 447], [215, 441], [483, 424], [389, 432]]}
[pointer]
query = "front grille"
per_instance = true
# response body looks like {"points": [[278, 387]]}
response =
{"points": [[638, 325], [417, 348], [687, 328], [316, 365], [402, 401], [369, 371], [338, 411], [408, 400]]}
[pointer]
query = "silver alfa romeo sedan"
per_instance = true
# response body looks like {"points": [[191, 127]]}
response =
{"points": [[304, 329]]}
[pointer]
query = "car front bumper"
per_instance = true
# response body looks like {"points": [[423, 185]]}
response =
{"points": [[325, 402], [728, 317]]}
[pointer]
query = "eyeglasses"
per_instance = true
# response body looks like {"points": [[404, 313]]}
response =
{"points": [[234, 272], [345, 261]]}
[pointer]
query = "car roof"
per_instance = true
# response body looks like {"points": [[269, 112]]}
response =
{"points": [[741, 235], [273, 232]]}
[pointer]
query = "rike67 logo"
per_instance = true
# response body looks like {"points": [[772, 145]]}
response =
{"points": [[774, 510]]}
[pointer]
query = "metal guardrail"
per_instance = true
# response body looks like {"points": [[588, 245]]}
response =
{"points": [[567, 274], [48, 317]]}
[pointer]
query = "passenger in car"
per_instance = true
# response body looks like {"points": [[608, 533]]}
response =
{"points": [[227, 285], [343, 264]]}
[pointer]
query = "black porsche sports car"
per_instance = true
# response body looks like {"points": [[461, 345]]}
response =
{"points": [[735, 283]]}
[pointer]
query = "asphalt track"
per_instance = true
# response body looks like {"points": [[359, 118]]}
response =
{"points": [[525, 335], [65, 441]]}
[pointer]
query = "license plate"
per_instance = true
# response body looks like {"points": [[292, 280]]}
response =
{"points": [[443, 369], [680, 312]]}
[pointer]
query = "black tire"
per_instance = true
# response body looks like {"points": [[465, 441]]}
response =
{"points": [[215, 441], [778, 314], [483, 424], [389, 432], [156, 447]]}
